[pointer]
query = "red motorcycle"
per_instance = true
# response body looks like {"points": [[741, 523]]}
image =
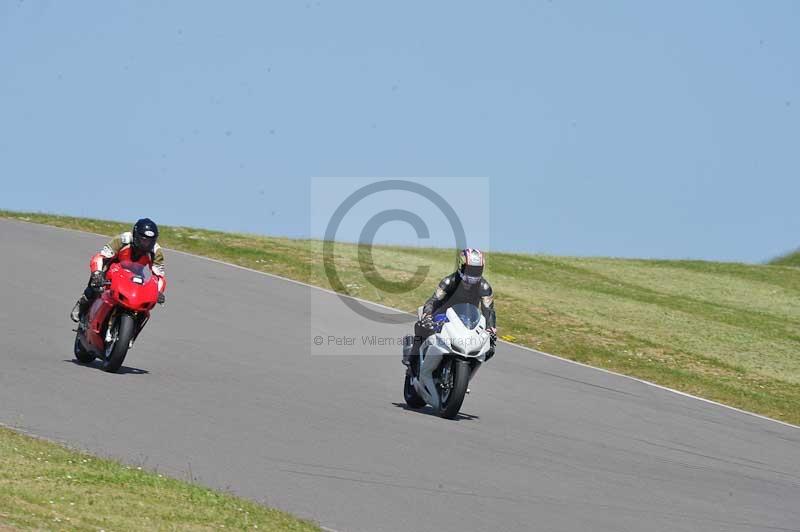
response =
{"points": [[116, 318]]}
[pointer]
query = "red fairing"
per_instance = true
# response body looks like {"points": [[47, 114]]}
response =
{"points": [[133, 288], [124, 255]]}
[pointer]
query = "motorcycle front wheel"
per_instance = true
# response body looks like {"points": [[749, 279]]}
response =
{"points": [[121, 335], [452, 401]]}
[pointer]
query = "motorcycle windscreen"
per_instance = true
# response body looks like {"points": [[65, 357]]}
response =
{"points": [[137, 269], [469, 315]]}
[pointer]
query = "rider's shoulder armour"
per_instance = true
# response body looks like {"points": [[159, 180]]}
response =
{"points": [[486, 288]]}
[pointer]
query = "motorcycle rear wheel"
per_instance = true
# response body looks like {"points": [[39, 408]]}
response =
{"points": [[121, 339], [82, 355]]}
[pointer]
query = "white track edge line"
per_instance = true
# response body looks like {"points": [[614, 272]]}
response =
{"points": [[550, 355]]}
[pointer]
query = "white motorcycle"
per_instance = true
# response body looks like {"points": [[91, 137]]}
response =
{"points": [[448, 359]]}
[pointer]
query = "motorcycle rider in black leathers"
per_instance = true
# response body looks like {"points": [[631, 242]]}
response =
{"points": [[466, 285]]}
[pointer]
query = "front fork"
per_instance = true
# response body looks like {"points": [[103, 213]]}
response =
{"points": [[447, 372], [141, 321], [446, 377], [112, 317]]}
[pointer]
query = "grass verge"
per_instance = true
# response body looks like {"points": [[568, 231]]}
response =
{"points": [[725, 331], [44, 486]]}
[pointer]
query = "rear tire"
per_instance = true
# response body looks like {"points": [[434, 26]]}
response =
{"points": [[126, 327], [410, 394], [82, 355], [461, 373]]}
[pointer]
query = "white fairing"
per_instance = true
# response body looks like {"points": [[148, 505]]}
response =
{"points": [[454, 339]]}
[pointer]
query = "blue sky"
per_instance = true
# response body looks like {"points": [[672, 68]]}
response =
{"points": [[637, 129]]}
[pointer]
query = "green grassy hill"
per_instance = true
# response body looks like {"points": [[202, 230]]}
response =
{"points": [[790, 259], [725, 331]]}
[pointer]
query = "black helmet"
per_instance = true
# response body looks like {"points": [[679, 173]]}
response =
{"points": [[145, 234]]}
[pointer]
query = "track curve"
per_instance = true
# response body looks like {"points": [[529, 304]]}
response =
{"points": [[222, 386]]}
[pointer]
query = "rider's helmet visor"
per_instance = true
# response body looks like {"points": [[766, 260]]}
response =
{"points": [[473, 270], [472, 274], [144, 242]]}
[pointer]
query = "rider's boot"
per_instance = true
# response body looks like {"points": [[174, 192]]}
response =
{"points": [[79, 309], [409, 354]]}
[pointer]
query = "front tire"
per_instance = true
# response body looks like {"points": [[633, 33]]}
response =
{"points": [[461, 373], [121, 339], [82, 355]]}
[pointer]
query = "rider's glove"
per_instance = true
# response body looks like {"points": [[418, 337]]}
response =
{"points": [[423, 327], [97, 280], [426, 321], [161, 298], [492, 341]]}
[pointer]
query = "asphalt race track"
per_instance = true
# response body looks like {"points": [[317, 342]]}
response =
{"points": [[223, 385]]}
